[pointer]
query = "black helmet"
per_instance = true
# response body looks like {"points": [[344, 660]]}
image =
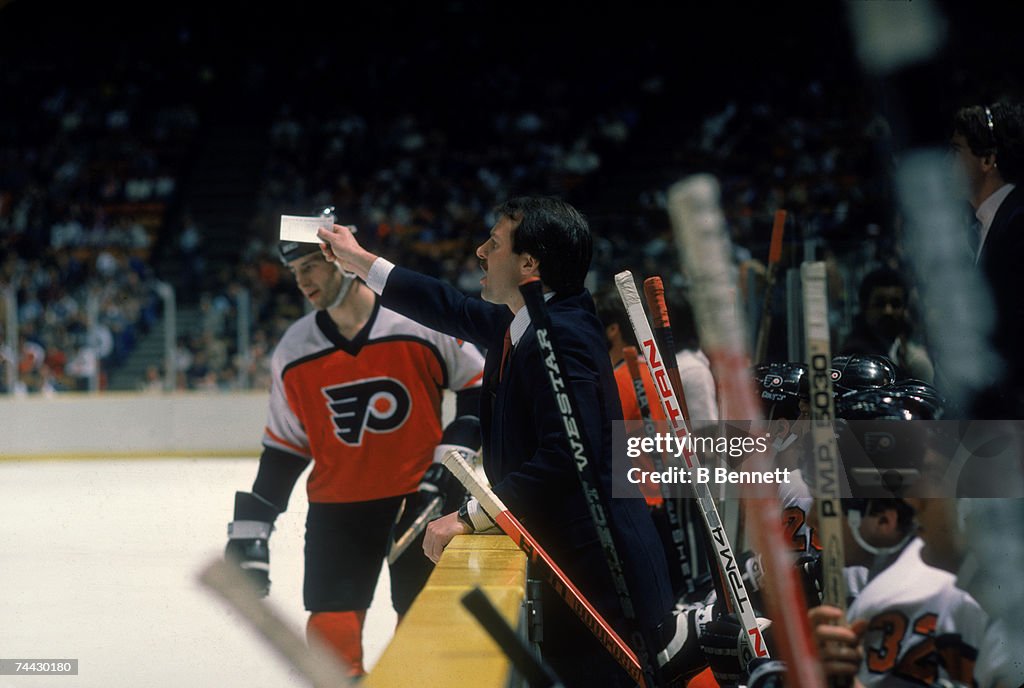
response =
{"points": [[861, 371], [293, 250], [931, 401], [881, 449], [885, 404], [781, 386]]}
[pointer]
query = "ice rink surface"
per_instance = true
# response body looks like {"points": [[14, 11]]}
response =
{"points": [[98, 562]]}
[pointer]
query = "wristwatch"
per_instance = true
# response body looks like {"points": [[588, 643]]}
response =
{"points": [[464, 516]]}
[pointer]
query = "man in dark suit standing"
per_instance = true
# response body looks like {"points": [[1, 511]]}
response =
{"points": [[988, 143], [526, 454]]}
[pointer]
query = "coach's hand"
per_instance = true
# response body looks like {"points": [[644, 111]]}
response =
{"points": [[340, 246], [440, 532]]}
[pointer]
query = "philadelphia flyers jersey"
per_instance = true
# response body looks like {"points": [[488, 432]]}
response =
{"points": [[367, 411], [922, 629]]}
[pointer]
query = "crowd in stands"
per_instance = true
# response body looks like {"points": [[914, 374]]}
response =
{"points": [[91, 178], [418, 191], [89, 168]]}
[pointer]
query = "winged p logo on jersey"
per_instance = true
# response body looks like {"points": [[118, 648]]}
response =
{"points": [[376, 405]]}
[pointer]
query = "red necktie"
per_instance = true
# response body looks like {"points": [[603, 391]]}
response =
{"points": [[505, 350]]}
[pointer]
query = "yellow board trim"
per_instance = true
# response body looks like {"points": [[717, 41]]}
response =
{"points": [[439, 643]]}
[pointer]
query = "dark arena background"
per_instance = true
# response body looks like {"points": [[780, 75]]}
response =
{"points": [[148, 150]]}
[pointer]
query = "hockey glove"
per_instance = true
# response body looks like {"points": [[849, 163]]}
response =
{"points": [[808, 567], [248, 538], [462, 435], [680, 657], [724, 644], [439, 492], [766, 673]]}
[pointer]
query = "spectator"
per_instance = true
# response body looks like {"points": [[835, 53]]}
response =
{"points": [[883, 327]]}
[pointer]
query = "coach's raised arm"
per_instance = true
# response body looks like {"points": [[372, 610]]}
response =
{"points": [[340, 246]]}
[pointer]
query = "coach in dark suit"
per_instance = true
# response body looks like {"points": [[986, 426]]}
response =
{"points": [[988, 142], [526, 453]]}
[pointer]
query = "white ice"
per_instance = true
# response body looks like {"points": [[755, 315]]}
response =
{"points": [[98, 561]]}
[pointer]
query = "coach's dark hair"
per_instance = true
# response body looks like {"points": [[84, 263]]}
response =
{"points": [[554, 233], [1004, 138]]}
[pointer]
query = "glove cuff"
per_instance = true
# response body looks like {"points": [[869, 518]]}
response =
{"points": [[249, 530], [249, 506], [440, 450]]}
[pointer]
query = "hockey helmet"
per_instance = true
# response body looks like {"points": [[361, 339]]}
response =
{"points": [[880, 446], [293, 250], [861, 371], [932, 404], [781, 386]]}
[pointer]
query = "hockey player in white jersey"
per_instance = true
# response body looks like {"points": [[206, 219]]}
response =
{"points": [[910, 625], [783, 390], [978, 538], [357, 392]]}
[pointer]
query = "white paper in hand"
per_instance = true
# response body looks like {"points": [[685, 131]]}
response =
{"points": [[303, 229]]}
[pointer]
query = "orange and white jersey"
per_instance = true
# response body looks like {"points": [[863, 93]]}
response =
{"points": [[367, 411], [922, 629], [797, 502]]}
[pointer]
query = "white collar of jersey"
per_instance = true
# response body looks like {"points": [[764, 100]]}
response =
{"points": [[521, 322]]}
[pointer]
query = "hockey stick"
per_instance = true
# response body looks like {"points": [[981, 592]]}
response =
{"points": [[429, 513], [530, 667], [826, 450], [675, 522], [582, 454], [724, 554], [774, 256], [564, 587], [654, 290], [463, 433], [316, 663], [704, 248]]}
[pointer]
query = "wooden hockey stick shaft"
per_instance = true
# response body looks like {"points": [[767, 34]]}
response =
{"points": [[541, 560], [774, 257], [402, 542], [826, 450], [725, 556], [534, 672], [675, 521], [654, 290], [315, 662], [703, 242]]}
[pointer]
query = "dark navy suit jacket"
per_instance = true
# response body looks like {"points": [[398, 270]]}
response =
{"points": [[1000, 262], [526, 455]]}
